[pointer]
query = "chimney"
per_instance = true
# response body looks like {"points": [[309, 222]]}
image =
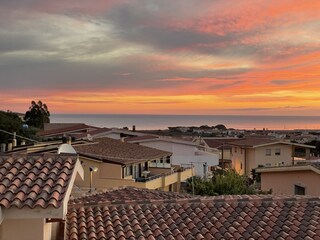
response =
{"points": [[23, 142], [69, 140], [122, 139], [133, 128], [3, 147]]}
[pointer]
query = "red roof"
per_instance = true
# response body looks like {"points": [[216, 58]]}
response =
{"points": [[34, 180], [221, 217]]}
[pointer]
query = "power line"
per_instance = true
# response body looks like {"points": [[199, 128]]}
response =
{"points": [[20, 136]]}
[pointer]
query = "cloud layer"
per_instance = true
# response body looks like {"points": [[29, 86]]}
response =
{"points": [[148, 56]]}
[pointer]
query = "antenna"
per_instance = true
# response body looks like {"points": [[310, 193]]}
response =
{"points": [[66, 148]]}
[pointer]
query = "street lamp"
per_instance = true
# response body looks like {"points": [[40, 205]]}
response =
{"points": [[92, 170]]}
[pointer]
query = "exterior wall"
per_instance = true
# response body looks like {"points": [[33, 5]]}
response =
{"points": [[238, 157], [285, 156], [257, 156], [105, 171], [26, 229], [186, 154], [283, 182]]}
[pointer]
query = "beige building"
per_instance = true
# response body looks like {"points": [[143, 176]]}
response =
{"points": [[289, 180], [34, 194], [249, 153], [111, 163]]}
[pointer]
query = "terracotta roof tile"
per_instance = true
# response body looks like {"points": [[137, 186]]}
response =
{"points": [[195, 218], [24, 179], [107, 149]]}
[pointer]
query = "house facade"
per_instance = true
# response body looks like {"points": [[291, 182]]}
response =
{"points": [[185, 153], [34, 194], [119, 163], [300, 179], [250, 153]]}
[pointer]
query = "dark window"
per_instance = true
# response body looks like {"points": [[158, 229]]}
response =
{"points": [[277, 151], [298, 190], [268, 152]]}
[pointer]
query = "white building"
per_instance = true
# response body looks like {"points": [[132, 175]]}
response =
{"points": [[184, 152]]}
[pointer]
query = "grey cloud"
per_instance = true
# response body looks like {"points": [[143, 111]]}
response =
{"points": [[285, 82]]}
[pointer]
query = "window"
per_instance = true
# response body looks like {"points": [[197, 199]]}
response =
{"points": [[168, 159], [277, 151], [268, 152], [298, 190], [128, 171]]}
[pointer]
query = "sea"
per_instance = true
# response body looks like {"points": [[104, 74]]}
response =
{"points": [[155, 122]]}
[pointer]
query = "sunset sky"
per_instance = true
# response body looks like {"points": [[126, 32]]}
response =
{"points": [[161, 56]]}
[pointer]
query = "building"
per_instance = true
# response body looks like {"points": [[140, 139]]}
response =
{"points": [[250, 153], [34, 194], [222, 144], [59, 130], [144, 214], [118, 163], [185, 153], [301, 179]]}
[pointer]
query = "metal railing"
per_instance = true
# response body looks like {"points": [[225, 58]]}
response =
{"points": [[146, 179]]}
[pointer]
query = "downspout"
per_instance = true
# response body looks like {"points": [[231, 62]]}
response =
{"points": [[245, 161]]}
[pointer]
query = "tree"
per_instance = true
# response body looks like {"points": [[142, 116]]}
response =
{"points": [[10, 122], [37, 115], [223, 182]]}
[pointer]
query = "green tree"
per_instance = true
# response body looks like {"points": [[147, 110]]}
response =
{"points": [[223, 182], [10, 122], [37, 115]]}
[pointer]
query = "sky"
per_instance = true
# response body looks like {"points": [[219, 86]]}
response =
{"points": [[212, 57]]}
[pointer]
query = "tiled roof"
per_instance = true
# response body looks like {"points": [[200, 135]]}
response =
{"points": [[251, 142], [140, 138], [222, 217], [34, 180], [127, 195], [217, 143], [92, 133], [63, 130], [107, 149]]}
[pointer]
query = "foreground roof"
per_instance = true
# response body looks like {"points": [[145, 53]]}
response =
{"points": [[35, 180], [127, 195], [221, 217], [107, 149]]}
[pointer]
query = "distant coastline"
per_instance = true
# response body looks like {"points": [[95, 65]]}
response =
{"points": [[152, 122]]}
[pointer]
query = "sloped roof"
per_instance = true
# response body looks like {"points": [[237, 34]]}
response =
{"points": [[127, 195], [64, 130], [221, 217], [34, 180], [107, 149], [252, 142], [218, 142]]}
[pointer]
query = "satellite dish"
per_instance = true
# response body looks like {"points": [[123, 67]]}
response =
{"points": [[66, 148]]}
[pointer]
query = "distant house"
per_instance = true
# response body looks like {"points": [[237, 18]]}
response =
{"points": [[222, 144], [297, 179], [119, 163], [249, 153], [183, 152], [34, 194]]}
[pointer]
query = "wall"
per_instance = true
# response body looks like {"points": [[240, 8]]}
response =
{"points": [[237, 157], [283, 182], [105, 170], [26, 229], [257, 156], [186, 154]]}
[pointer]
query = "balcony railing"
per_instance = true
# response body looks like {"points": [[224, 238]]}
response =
{"points": [[146, 179]]}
